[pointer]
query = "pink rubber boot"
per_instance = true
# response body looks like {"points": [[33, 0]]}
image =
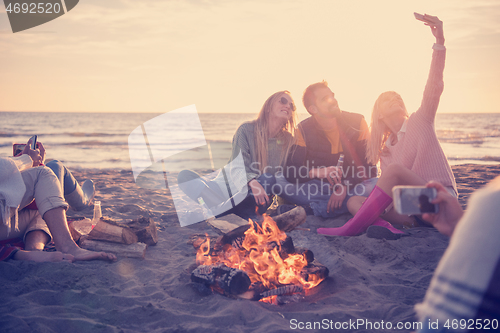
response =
{"points": [[373, 206]]}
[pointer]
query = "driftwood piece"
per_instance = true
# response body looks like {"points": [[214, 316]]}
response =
{"points": [[223, 279], [79, 228], [145, 229], [136, 250], [227, 223], [291, 219], [112, 233]]}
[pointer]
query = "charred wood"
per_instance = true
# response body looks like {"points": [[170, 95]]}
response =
{"points": [[226, 280]]}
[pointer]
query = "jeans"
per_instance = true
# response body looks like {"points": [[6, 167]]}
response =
{"points": [[316, 193], [66, 179], [241, 203]]}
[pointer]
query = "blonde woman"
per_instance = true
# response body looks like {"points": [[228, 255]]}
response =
{"points": [[259, 150], [406, 146]]}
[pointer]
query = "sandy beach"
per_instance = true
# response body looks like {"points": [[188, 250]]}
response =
{"points": [[370, 279]]}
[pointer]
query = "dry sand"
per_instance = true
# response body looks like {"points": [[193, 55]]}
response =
{"points": [[370, 279]]}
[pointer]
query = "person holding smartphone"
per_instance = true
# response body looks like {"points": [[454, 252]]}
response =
{"points": [[464, 292], [21, 181], [406, 147], [78, 197]]}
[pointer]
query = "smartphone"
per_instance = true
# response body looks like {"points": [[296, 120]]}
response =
{"points": [[414, 200], [33, 141], [420, 17], [17, 148]]}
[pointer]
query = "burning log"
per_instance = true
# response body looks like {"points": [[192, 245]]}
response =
{"points": [[226, 280], [284, 290], [266, 258], [291, 219], [314, 272], [285, 222]]}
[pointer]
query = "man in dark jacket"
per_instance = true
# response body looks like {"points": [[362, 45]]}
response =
{"points": [[313, 172]]}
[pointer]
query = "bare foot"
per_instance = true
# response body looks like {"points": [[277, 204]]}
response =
{"points": [[82, 255], [41, 256]]}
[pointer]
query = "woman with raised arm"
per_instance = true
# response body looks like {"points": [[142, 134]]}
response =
{"points": [[259, 150], [406, 146]]}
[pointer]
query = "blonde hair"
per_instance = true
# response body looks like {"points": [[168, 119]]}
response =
{"points": [[261, 131], [379, 132]]}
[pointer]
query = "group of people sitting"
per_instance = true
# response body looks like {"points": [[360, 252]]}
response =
{"points": [[328, 163]]}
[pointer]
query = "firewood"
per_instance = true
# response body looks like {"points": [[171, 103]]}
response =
{"points": [[136, 250], [225, 280], [79, 228], [314, 269], [291, 219], [112, 233], [145, 229]]}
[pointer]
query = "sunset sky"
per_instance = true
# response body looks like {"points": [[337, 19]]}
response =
{"points": [[229, 56]]}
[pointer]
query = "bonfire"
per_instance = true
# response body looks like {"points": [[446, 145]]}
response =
{"points": [[258, 262]]}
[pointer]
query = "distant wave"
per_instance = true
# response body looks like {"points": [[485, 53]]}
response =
{"points": [[483, 158], [460, 137], [70, 134]]}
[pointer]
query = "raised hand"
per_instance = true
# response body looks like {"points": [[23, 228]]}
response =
{"points": [[436, 26]]}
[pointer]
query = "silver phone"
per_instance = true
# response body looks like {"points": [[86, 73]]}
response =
{"points": [[414, 200], [33, 141], [420, 17]]}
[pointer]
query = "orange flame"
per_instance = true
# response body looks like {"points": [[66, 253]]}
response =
{"points": [[260, 258]]}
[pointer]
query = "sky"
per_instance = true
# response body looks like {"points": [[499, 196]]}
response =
{"points": [[229, 56]]}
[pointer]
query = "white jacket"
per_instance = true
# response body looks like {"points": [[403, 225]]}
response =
{"points": [[12, 187]]}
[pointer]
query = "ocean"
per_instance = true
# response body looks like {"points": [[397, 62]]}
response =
{"points": [[100, 140]]}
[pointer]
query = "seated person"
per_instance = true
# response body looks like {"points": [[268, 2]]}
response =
{"points": [[465, 288], [406, 146], [21, 182], [259, 151], [313, 174]]}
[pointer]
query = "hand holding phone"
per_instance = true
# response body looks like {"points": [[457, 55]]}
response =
{"points": [[414, 200], [421, 17], [33, 140]]}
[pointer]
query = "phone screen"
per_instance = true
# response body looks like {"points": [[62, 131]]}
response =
{"points": [[415, 200]]}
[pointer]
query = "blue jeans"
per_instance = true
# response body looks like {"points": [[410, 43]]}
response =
{"points": [[316, 193], [242, 203], [66, 179]]}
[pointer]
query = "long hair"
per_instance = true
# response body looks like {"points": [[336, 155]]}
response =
{"points": [[379, 132], [285, 136]]}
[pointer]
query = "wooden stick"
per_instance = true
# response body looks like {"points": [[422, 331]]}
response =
{"points": [[136, 250], [112, 233], [80, 228], [291, 219]]}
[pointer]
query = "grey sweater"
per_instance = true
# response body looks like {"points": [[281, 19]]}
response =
{"points": [[243, 164]]}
